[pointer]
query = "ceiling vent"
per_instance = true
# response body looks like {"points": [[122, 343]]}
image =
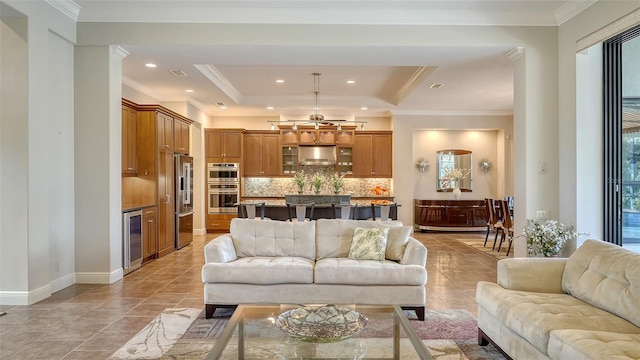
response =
{"points": [[178, 73], [221, 105]]}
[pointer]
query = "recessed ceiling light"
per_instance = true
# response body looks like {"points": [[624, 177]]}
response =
{"points": [[189, 90], [436, 86], [364, 108], [150, 65], [351, 81], [269, 107], [279, 81]]}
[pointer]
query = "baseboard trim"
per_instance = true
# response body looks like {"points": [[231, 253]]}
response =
{"points": [[199, 231], [25, 297], [99, 278], [63, 282]]}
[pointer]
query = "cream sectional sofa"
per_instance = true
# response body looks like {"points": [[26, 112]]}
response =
{"points": [[583, 307], [307, 263]]}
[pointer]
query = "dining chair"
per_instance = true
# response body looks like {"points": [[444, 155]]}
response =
{"points": [[298, 212], [387, 211], [344, 211], [248, 210], [507, 225]]}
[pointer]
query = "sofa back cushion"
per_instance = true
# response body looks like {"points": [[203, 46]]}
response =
{"points": [[606, 276], [333, 236], [273, 238]]}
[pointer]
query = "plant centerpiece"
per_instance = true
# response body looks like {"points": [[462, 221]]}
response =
{"points": [[337, 182], [317, 181], [300, 179], [547, 238], [454, 176]]}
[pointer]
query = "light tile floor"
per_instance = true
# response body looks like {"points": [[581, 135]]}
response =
{"points": [[93, 321]]}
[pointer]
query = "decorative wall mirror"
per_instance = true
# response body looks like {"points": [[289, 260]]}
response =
{"points": [[454, 170]]}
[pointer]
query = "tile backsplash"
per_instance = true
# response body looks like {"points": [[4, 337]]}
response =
{"points": [[279, 187]]}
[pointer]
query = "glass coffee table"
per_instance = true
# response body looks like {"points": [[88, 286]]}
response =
{"points": [[252, 334]]}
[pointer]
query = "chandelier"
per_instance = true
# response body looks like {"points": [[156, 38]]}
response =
{"points": [[317, 119]]}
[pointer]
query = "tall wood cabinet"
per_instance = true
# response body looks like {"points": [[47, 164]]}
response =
{"points": [[156, 166], [372, 155], [261, 150]]}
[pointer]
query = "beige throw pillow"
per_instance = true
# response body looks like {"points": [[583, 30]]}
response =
{"points": [[397, 240], [369, 243]]}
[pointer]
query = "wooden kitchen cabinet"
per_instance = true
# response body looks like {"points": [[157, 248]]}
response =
{"points": [[317, 137], [261, 149], [288, 137], [372, 155], [180, 137], [155, 143], [223, 145], [149, 233], [219, 222], [165, 131], [129, 140]]}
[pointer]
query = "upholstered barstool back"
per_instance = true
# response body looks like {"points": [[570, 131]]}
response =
{"points": [[248, 210], [387, 211], [298, 212], [344, 211]]}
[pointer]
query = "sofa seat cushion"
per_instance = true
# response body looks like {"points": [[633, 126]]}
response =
{"points": [[260, 270], [584, 344], [534, 315], [368, 272]]}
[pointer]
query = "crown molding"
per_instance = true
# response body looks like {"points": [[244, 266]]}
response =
{"points": [[119, 51], [418, 77], [515, 53], [452, 113], [220, 81], [68, 7], [570, 9]]}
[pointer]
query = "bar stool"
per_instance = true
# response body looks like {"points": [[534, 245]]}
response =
{"points": [[387, 211], [344, 210], [300, 212], [248, 210]]}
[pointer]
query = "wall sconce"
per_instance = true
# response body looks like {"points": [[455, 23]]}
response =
{"points": [[484, 165], [423, 165]]}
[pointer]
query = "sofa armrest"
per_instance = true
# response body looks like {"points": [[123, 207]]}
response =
{"points": [[220, 250], [532, 274], [415, 253]]}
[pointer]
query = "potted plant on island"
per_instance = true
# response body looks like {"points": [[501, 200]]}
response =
{"points": [[337, 182], [317, 181], [547, 239], [300, 179]]}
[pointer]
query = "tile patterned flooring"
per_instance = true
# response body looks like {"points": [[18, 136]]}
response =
{"points": [[93, 321]]}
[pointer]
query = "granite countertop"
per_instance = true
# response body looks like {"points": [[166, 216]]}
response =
{"points": [[282, 202]]}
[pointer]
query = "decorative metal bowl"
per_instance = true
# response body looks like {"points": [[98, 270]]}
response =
{"points": [[328, 323]]}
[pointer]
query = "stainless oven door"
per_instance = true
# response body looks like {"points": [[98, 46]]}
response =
{"points": [[223, 172], [223, 200]]}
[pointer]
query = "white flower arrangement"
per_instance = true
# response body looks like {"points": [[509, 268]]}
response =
{"points": [[547, 238], [337, 182], [454, 175]]}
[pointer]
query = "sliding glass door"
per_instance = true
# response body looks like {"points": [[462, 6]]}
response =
{"points": [[622, 139]]}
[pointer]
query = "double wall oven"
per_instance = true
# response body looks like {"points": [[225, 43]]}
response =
{"points": [[223, 187]]}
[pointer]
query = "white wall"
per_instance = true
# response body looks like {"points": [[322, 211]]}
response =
{"points": [[36, 169], [482, 143]]}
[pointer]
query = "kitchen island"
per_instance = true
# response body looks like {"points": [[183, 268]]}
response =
{"points": [[276, 209]]}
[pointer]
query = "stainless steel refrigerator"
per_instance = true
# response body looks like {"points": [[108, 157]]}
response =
{"points": [[184, 200]]}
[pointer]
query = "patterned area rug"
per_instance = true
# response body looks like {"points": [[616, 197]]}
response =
{"points": [[479, 245], [448, 334]]}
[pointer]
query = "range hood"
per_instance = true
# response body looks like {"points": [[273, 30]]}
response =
{"points": [[317, 155]]}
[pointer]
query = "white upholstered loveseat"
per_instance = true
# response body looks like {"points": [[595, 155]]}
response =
{"points": [[307, 263], [583, 307]]}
